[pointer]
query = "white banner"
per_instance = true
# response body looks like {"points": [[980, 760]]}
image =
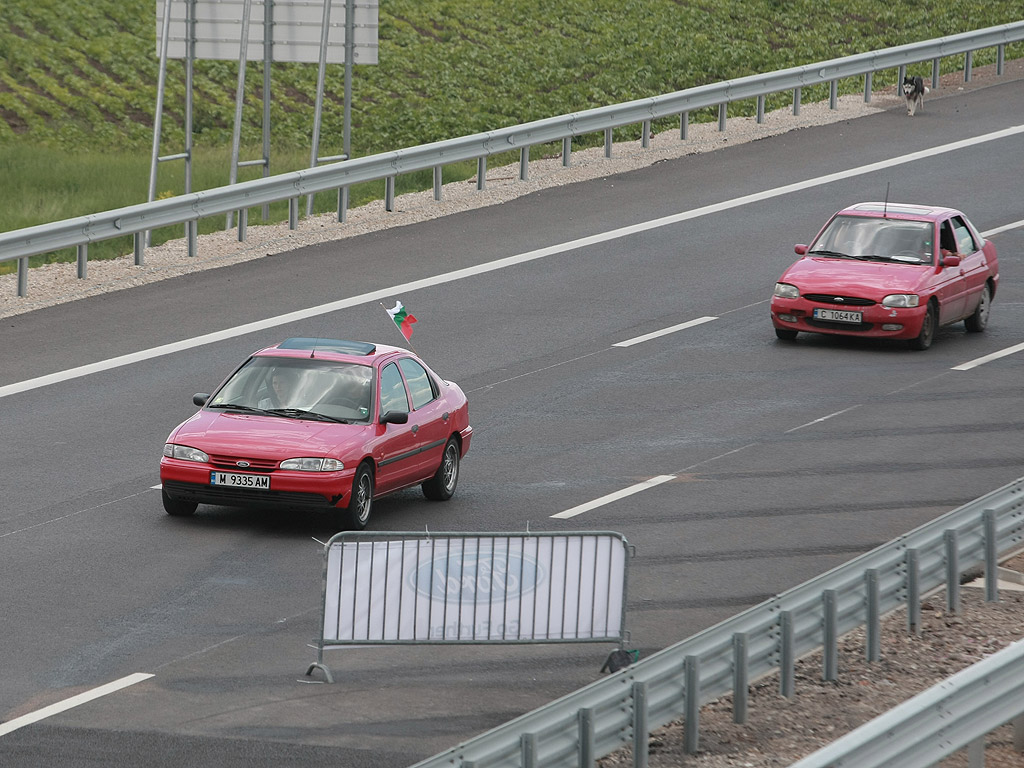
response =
{"points": [[501, 588]]}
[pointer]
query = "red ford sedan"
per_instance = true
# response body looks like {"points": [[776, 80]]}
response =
{"points": [[888, 271], [319, 424]]}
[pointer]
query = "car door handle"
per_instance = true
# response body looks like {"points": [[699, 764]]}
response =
{"points": [[444, 416], [415, 428]]}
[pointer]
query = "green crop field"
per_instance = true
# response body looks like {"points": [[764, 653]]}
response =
{"points": [[78, 83]]}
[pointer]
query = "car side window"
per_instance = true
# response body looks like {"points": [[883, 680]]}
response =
{"points": [[392, 391], [964, 239], [420, 385]]}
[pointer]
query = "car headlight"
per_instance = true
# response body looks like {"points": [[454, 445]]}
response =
{"points": [[312, 464], [185, 453], [901, 300], [787, 291]]}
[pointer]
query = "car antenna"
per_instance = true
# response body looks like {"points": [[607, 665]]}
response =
{"points": [[885, 205]]}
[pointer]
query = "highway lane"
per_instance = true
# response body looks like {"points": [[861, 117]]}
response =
{"points": [[98, 583]]}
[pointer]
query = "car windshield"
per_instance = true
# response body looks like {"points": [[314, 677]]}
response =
{"points": [[292, 388], [876, 239]]}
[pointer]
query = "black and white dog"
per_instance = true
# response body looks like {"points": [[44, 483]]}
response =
{"points": [[914, 90]]}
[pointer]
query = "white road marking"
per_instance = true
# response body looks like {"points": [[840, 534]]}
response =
{"points": [[480, 269], [1005, 228], [823, 418], [565, 515], [664, 332], [989, 358], [74, 701]]}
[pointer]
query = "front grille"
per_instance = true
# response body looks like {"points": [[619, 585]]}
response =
{"points": [[831, 298], [243, 497], [231, 463]]}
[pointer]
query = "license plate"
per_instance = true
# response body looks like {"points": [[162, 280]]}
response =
{"points": [[839, 315], [238, 480]]}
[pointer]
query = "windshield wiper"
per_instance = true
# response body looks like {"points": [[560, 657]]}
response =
{"points": [[827, 252], [237, 407], [299, 413]]}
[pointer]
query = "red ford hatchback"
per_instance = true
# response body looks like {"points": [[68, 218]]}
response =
{"points": [[319, 424], [888, 271]]}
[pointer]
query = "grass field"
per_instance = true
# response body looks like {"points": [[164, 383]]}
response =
{"points": [[78, 83]]}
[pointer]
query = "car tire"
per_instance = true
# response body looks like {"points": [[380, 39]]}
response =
{"points": [[977, 322], [928, 325], [360, 503], [785, 334], [441, 486], [177, 507]]}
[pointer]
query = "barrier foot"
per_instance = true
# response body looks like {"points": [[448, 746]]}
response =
{"points": [[323, 667]]}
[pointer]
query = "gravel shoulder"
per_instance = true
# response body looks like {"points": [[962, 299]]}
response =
{"points": [[58, 283]]}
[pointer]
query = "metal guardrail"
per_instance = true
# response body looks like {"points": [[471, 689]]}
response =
{"points": [[929, 727], [624, 707], [187, 209]]}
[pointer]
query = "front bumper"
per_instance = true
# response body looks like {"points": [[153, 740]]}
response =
{"points": [[190, 481], [877, 321]]}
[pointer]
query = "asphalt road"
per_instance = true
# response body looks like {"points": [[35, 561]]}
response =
{"points": [[789, 459]]}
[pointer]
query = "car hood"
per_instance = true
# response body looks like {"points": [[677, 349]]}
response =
{"points": [[870, 279], [266, 437]]}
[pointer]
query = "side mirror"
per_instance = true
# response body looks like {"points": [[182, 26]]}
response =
{"points": [[952, 260], [800, 250], [200, 398], [395, 417]]}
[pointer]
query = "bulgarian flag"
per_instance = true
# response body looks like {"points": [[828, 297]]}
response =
{"points": [[402, 319]]}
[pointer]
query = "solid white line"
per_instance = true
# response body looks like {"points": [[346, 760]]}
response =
{"points": [[664, 332], [989, 358], [1004, 228], [480, 269], [74, 701], [823, 418], [614, 496]]}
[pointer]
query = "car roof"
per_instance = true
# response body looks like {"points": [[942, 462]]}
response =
{"points": [[899, 210], [360, 352]]}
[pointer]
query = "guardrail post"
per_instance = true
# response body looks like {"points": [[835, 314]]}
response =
{"points": [[936, 75], [950, 537], [968, 64], [481, 173], [976, 753], [740, 677], [243, 224], [760, 109], [829, 641], [83, 261], [641, 733], [1018, 733], [293, 213], [528, 750], [691, 705], [389, 193], [342, 204], [867, 87], [900, 74], [645, 137], [796, 101], [524, 163], [684, 125], [607, 142], [872, 628], [722, 109], [913, 592], [586, 737], [833, 94], [191, 237], [991, 558], [786, 659], [566, 151], [438, 183], [140, 248], [23, 276], [1000, 58]]}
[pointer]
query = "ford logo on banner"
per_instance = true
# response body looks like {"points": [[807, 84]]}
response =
{"points": [[480, 577]]}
